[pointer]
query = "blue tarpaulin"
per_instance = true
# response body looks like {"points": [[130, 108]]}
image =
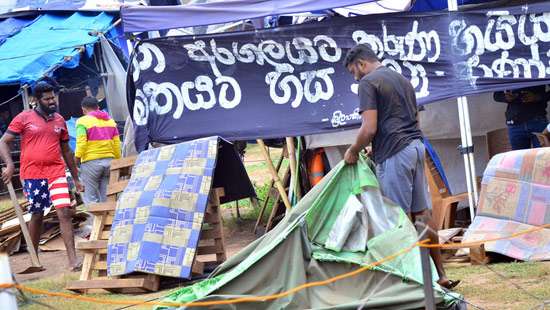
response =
{"points": [[11, 26], [71, 126], [50, 41], [147, 18], [434, 5]]}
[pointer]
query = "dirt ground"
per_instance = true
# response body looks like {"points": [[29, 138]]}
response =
{"points": [[237, 236]]}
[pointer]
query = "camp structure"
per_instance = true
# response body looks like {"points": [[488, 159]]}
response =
{"points": [[163, 216], [340, 226]]}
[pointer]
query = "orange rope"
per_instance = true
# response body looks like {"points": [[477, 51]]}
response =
{"points": [[218, 302], [423, 243], [480, 242]]}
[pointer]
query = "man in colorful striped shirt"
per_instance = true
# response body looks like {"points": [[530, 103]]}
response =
{"points": [[97, 143]]}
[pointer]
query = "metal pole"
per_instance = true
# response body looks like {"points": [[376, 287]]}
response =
{"points": [[470, 144], [429, 298], [466, 140], [465, 155]]}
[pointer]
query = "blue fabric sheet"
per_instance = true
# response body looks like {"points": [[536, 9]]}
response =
{"points": [[40, 47], [147, 18], [437, 162], [11, 26], [159, 215], [71, 126], [434, 5]]}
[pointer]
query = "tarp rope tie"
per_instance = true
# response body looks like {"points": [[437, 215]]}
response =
{"points": [[423, 243]]}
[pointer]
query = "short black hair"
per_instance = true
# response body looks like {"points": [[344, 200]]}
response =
{"points": [[40, 88], [360, 52], [90, 103]]}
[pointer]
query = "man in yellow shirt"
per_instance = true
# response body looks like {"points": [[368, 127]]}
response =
{"points": [[97, 143]]}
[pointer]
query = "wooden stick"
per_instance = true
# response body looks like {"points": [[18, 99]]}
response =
{"points": [[237, 209], [286, 177], [274, 175], [293, 173], [24, 228], [266, 201]]}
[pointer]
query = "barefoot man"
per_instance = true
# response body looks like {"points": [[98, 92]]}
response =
{"points": [[44, 145], [389, 120]]}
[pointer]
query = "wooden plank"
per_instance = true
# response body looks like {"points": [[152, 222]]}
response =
{"points": [[109, 219], [220, 242], [210, 234], [210, 218], [100, 265], [286, 177], [91, 245], [477, 255], [274, 174], [102, 207], [105, 235], [89, 258], [210, 249], [117, 187], [197, 268], [457, 259], [123, 163], [114, 176], [111, 284]]}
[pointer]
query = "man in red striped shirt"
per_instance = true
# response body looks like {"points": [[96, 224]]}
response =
{"points": [[44, 145]]}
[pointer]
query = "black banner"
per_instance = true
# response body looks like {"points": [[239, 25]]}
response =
{"points": [[290, 81]]}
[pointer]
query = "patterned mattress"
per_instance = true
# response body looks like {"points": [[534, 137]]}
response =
{"points": [[515, 196], [159, 215]]}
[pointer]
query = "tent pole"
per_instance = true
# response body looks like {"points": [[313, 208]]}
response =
{"points": [[466, 140], [470, 145], [274, 174], [463, 142]]}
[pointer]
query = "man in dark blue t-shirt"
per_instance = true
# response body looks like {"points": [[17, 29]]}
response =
{"points": [[387, 103]]}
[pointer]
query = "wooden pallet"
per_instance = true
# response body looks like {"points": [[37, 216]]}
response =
{"points": [[210, 252]]}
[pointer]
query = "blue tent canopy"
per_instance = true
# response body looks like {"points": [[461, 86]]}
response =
{"points": [[11, 26], [52, 40], [435, 5], [147, 18]]}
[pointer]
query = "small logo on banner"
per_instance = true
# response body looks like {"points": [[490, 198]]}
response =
{"points": [[340, 119]]}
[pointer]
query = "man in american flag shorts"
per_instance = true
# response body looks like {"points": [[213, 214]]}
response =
{"points": [[44, 152]]}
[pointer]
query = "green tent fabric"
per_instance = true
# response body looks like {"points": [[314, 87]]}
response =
{"points": [[295, 252]]}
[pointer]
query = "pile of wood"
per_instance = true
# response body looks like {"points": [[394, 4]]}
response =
{"points": [[10, 231]]}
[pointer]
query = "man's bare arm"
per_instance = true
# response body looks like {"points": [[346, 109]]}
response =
{"points": [[5, 153]]}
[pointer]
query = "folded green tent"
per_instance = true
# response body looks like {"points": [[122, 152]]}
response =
{"points": [[343, 223]]}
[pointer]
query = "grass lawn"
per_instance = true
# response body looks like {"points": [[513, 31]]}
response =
{"points": [[488, 290], [480, 286], [56, 285]]}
